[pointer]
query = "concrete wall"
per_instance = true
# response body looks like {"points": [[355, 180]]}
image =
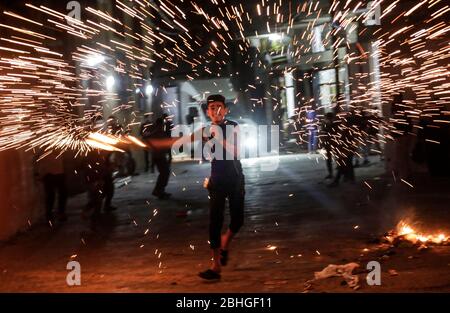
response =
{"points": [[20, 200]]}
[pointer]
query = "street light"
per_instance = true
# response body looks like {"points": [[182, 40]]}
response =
{"points": [[148, 90], [275, 37], [110, 81]]}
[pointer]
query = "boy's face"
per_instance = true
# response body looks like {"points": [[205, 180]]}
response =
{"points": [[217, 112]]}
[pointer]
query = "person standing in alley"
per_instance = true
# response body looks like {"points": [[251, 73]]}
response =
{"points": [[160, 157], [326, 139], [168, 126], [227, 181], [311, 126], [50, 169], [344, 148], [100, 183], [99, 177], [374, 126], [362, 124], [145, 134], [400, 131]]}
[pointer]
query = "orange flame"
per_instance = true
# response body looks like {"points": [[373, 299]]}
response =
{"points": [[103, 142], [410, 234]]}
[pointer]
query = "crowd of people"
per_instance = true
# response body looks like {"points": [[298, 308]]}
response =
{"points": [[404, 138], [346, 138]]}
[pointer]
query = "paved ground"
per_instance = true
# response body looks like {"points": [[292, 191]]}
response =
{"points": [[146, 246]]}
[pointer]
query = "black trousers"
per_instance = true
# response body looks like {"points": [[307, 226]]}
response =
{"points": [[55, 184], [219, 191], [329, 161], [108, 189], [162, 163], [99, 189], [346, 169], [146, 160]]}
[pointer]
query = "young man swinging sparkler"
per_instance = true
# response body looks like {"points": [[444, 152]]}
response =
{"points": [[226, 181]]}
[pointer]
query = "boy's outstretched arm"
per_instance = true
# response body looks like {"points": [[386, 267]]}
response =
{"points": [[167, 143]]}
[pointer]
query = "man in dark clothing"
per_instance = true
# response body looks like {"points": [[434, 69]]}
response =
{"points": [[326, 141], [311, 127], [113, 126], [160, 158], [145, 134], [168, 126], [362, 124], [400, 131], [99, 172], [344, 148], [374, 124], [100, 182], [190, 117], [226, 181], [50, 170]]}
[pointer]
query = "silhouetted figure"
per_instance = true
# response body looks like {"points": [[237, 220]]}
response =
{"points": [[328, 131], [190, 117], [168, 126], [99, 177], [190, 120], [50, 170], [400, 131], [145, 134], [113, 126], [100, 182], [311, 126], [123, 162], [161, 158], [344, 147], [434, 128], [362, 124], [373, 128]]}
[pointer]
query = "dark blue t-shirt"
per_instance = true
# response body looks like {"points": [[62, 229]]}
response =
{"points": [[226, 169]]}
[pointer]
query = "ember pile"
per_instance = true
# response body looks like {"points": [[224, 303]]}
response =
{"points": [[405, 234]]}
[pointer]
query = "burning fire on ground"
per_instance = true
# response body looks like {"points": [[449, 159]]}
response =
{"points": [[405, 232]]}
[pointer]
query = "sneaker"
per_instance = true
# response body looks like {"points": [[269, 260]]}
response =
{"points": [[162, 195], [209, 275]]}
